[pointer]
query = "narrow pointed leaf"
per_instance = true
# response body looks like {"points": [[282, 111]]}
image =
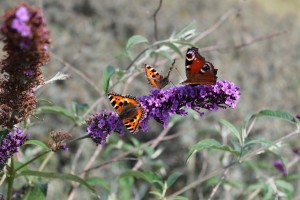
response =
{"points": [[232, 128], [56, 110], [173, 47], [37, 143], [172, 178], [136, 39]]}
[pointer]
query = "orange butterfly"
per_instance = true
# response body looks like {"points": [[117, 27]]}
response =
{"points": [[198, 70], [155, 79], [129, 110]]}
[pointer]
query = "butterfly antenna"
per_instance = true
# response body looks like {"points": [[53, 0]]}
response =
{"points": [[178, 72], [172, 83], [171, 68]]}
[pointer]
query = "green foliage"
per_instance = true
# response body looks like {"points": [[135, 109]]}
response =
{"points": [[56, 110], [37, 143], [107, 74], [63, 177], [38, 192]]}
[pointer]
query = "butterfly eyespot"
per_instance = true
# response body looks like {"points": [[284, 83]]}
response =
{"points": [[206, 67], [190, 56]]}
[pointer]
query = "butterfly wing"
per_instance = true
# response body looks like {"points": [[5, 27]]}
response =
{"points": [[198, 70], [128, 109], [154, 78]]}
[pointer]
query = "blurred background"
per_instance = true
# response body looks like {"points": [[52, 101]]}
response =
{"points": [[260, 43]]}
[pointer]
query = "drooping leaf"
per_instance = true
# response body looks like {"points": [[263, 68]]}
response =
{"points": [[164, 54], [56, 110], [209, 143], [187, 31], [232, 128], [136, 39], [276, 114], [37, 143], [97, 181], [173, 47], [107, 74], [62, 176]]}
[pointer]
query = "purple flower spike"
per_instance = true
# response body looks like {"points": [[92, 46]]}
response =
{"points": [[9, 145], [162, 104], [279, 165], [22, 14], [102, 125]]}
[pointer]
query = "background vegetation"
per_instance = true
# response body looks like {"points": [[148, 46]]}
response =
{"points": [[253, 43]]}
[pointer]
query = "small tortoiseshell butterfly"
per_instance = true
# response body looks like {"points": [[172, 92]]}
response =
{"points": [[198, 70], [155, 79], [129, 110]]}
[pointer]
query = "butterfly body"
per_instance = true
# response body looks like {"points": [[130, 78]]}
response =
{"points": [[155, 79], [198, 70], [129, 110]]}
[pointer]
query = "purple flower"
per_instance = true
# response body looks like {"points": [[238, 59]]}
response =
{"points": [[279, 165], [21, 27], [22, 14], [298, 116], [10, 143], [102, 125], [162, 104]]}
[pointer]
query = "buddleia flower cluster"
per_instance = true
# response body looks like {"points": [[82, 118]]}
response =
{"points": [[9, 144], [26, 40], [162, 104]]}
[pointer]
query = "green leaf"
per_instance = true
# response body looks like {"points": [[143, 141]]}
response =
{"points": [[179, 198], [269, 194], [187, 31], [173, 47], [232, 128], [159, 185], [37, 143], [107, 74], [147, 175], [64, 177], [203, 144], [172, 178], [276, 114], [56, 110], [125, 188], [164, 54], [284, 186], [39, 192], [136, 39], [97, 181], [262, 142]]}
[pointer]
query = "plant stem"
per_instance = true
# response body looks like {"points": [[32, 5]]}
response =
{"points": [[10, 178], [33, 159]]}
